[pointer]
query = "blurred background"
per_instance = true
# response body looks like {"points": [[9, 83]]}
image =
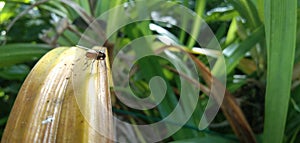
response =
{"points": [[245, 29]]}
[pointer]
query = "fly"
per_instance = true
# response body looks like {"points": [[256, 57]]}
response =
{"points": [[93, 54]]}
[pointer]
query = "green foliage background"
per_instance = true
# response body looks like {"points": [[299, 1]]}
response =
{"points": [[259, 39]]}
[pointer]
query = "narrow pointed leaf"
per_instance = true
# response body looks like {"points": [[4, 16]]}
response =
{"points": [[281, 20]]}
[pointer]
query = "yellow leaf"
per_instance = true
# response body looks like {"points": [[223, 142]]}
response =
{"points": [[46, 109]]}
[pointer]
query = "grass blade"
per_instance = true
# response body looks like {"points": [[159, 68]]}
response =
{"points": [[11, 54], [200, 6], [243, 47], [280, 19], [247, 10]]}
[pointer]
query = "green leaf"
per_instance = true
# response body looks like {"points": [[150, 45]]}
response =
{"points": [[200, 6], [19, 53], [85, 5], [3, 121], [54, 7], [184, 24], [280, 26], [16, 72], [9, 9], [231, 33], [239, 52], [293, 119], [260, 9], [100, 7], [226, 14], [206, 139], [247, 10], [71, 37]]}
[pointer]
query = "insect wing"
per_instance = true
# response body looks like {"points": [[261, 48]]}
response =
{"points": [[92, 54]]}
